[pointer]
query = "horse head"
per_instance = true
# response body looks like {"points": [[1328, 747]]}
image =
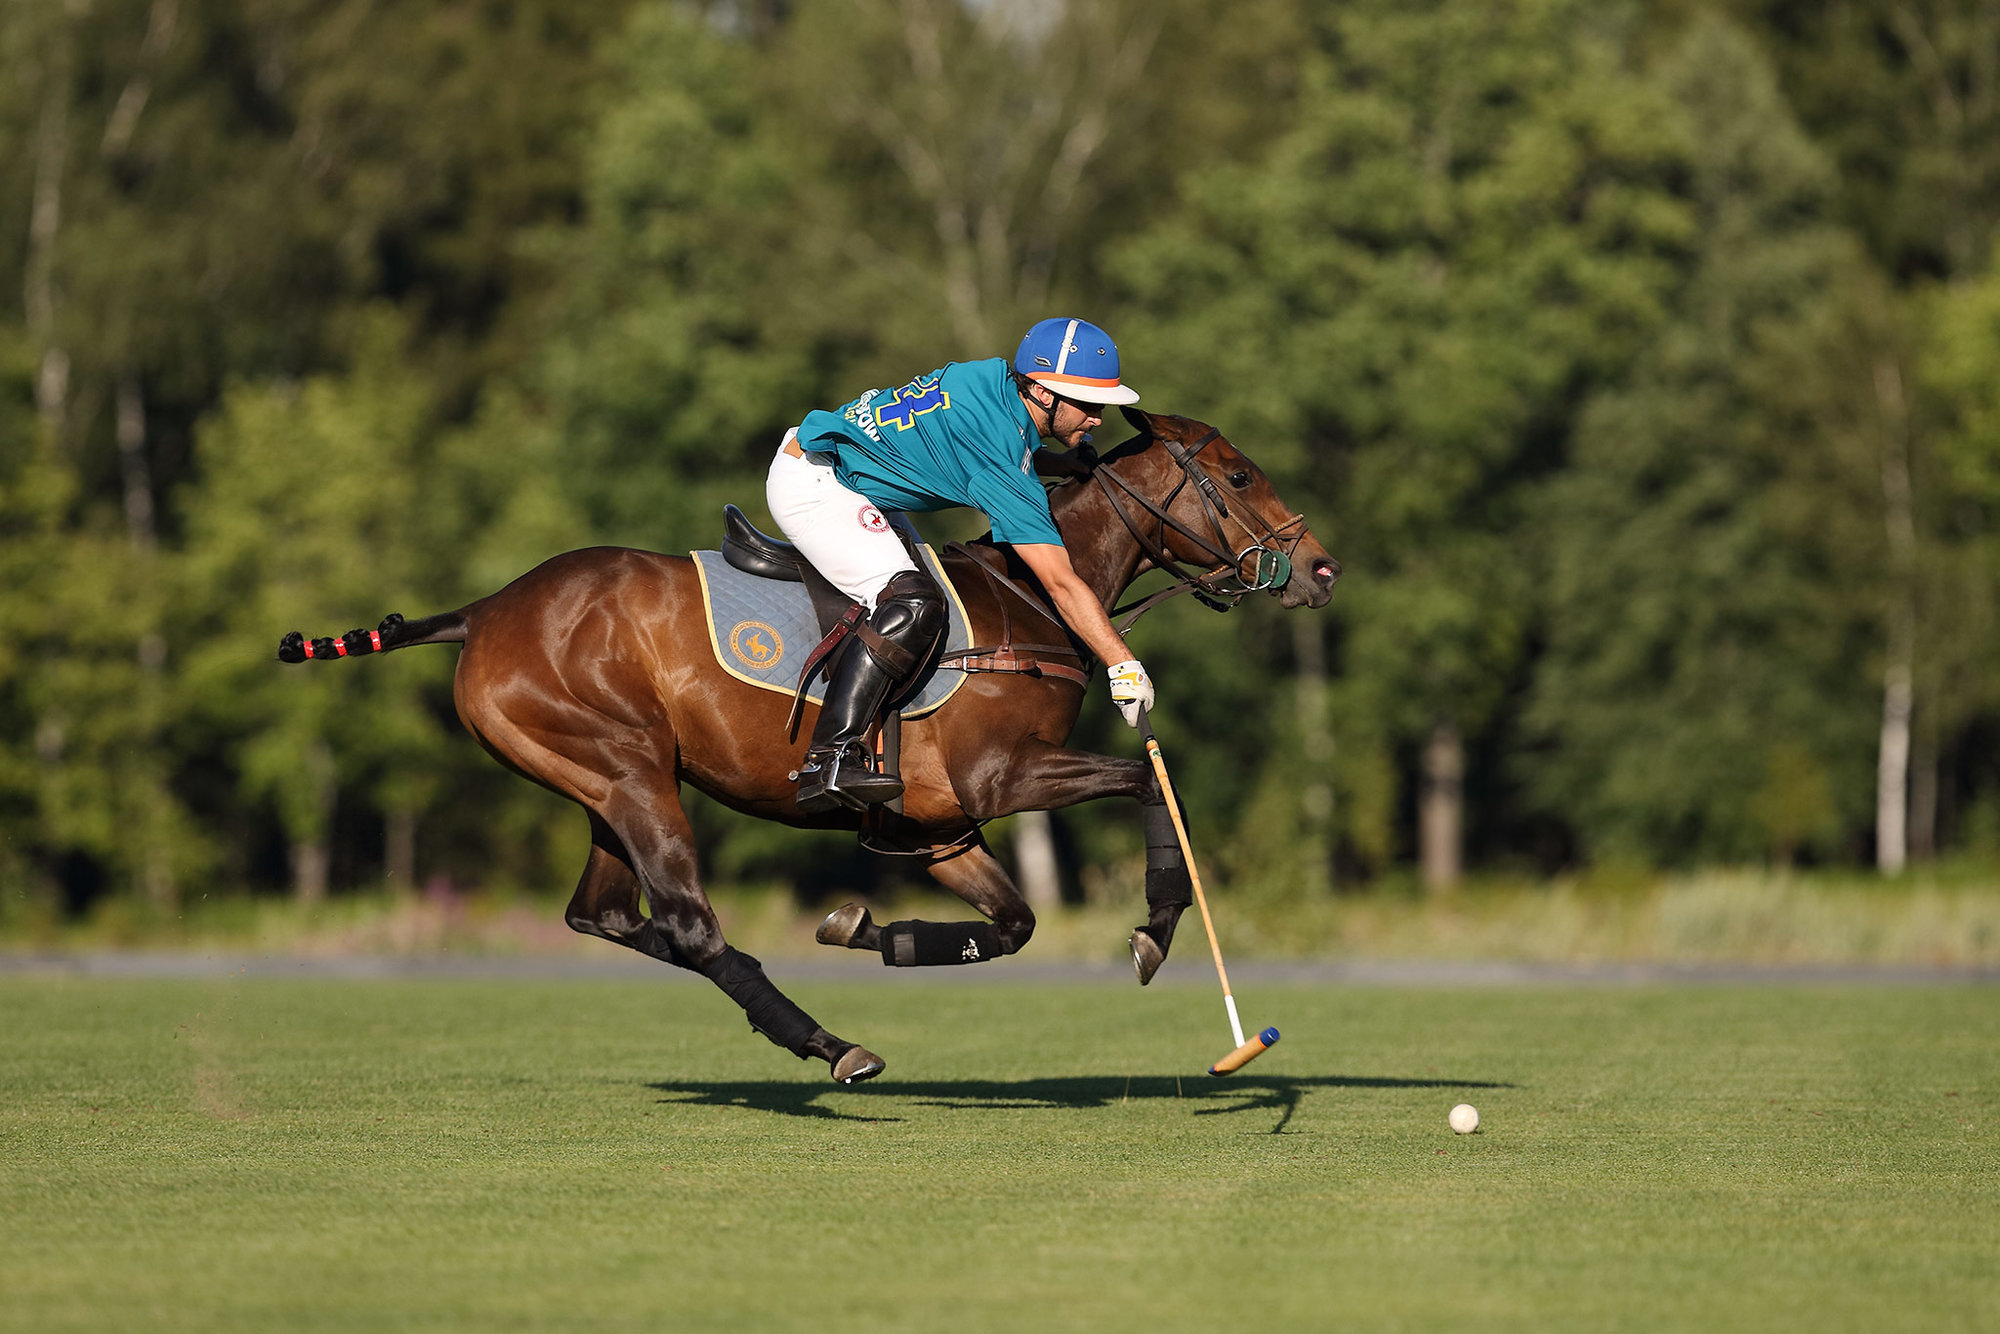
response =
{"points": [[1203, 511]]}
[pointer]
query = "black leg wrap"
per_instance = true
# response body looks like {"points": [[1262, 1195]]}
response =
{"points": [[931, 944], [1169, 890], [1167, 879], [742, 980]]}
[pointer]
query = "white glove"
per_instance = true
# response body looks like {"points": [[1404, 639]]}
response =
{"points": [[1131, 690]]}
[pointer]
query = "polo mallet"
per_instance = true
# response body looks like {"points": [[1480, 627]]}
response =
{"points": [[1245, 1052]]}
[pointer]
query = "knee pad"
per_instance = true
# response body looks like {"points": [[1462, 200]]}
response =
{"points": [[903, 630], [909, 611]]}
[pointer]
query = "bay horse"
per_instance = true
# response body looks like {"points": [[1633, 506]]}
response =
{"points": [[592, 675]]}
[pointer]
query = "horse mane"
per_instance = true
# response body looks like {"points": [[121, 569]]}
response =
{"points": [[1138, 444], [1067, 487]]}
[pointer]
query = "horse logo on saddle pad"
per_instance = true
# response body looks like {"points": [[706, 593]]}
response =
{"points": [[757, 646]]}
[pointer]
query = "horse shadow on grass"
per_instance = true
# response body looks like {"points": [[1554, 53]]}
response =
{"points": [[1281, 1094]]}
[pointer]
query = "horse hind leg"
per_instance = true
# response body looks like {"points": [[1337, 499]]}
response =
{"points": [[606, 901], [682, 930], [975, 876]]}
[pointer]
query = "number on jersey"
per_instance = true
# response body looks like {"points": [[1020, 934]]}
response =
{"points": [[910, 402]]}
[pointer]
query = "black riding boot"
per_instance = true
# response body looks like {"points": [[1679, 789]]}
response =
{"points": [[836, 772], [893, 645]]}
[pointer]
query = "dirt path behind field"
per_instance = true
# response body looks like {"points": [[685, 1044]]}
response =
{"points": [[1195, 971]]}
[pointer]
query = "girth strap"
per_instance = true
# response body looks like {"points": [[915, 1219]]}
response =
{"points": [[1017, 659], [1007, 656]]}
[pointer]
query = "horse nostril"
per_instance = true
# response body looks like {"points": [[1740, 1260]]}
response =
{"points": [[1326, 571]]}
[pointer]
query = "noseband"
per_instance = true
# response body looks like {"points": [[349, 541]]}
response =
{"points": [[1224, 585]]}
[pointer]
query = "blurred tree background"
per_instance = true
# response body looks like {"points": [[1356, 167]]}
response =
{"points": [[1641, 362]]}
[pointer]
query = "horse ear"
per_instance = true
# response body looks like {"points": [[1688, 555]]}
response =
{"points": [[1141, 421]]}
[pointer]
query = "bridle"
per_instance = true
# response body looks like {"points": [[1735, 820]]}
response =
{"points": [[1224, 585]]}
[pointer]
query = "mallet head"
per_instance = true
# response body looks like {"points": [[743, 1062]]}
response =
{"points": [[1245, 1054]]}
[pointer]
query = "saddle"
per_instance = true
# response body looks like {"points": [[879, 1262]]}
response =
{"points": [[754, 552], [758, 554]]}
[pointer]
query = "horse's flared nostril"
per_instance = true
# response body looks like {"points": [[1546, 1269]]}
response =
{"points": [[1326, 571]]}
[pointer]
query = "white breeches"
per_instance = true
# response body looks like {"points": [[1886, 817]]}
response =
{"points": [[841, 532]]}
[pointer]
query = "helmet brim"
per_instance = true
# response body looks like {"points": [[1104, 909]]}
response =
{"points": [[1086, 392]]}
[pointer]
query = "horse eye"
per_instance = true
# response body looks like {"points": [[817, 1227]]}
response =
{"points": [[1239, 480]]}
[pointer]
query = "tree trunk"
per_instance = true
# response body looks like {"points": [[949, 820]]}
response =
{"points": [[399, 849], [1892, 770], [134, 466], [156, 877], [1035, 861], [309, 877], [1892, 767], [1441, 809], [1316, 746], [124, 119], [44, 224], [311, 858], [1923, 792]]}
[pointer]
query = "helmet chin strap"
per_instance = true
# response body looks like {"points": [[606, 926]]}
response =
{"points": [[1055, 405], [1049, 410]]}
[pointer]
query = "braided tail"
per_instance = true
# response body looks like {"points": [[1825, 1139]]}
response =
{"points": [[394, 632]]}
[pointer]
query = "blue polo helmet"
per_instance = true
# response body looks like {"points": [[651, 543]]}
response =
{"points": [[1076, 359]]}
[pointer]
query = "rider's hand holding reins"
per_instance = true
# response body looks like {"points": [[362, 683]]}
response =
{"points": [[1131, 690]]}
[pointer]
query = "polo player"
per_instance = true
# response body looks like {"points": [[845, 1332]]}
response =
{"points": [[965, 435]]}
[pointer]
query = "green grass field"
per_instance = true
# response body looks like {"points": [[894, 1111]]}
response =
{"points": [[266, 1154]]}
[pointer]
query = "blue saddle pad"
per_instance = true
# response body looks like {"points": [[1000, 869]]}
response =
{"points": [[762, 630]]}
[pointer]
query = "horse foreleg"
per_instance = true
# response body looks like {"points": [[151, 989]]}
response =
{"points": [[974, 875], [1046, 777], [1037, 776], [683, 931]]}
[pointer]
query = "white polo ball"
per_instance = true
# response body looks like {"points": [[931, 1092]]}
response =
{"points": [[1465, 1118]]}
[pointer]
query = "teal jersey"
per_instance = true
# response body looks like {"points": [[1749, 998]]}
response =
{"points": [[958, 436]]}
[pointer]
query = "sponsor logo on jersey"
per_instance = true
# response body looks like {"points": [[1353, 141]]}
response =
{"points": [[862, 417]]}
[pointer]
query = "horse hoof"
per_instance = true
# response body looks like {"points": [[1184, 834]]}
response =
{"points": [[857, 1064], [1146, 955], [842, 925]]}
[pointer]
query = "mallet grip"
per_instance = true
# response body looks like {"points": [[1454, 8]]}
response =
{"points": [[1246, 1053]]}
